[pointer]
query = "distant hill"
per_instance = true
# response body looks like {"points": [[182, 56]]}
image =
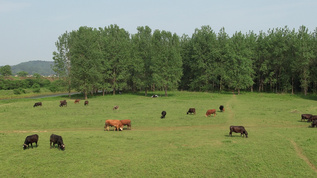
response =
{"points": [[31, 67]]}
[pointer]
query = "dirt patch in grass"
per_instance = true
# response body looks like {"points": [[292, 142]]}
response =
{"points": [[299, 152]]}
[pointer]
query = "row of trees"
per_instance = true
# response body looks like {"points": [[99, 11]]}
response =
{"points": [[281, 60]]}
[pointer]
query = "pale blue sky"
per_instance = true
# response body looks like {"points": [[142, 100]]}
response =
{"points": [[30, 28]]}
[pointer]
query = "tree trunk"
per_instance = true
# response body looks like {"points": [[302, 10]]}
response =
{"points": [[85, 95], [103, 92], [165, 90]]}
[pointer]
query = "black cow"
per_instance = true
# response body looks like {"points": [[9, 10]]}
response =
{"points": [[86, 103], [221, 108], [154, 96], [56, 139], [238, 129], [63, 103], [37, 104], [314, 123], [163, 114], [312, 118], [306, 116], [29, 140], [191, 110]]}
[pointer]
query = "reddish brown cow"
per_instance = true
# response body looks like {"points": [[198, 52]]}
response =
{"points": [[211, 111], [86, 103], [77, 101], [116, 123], [126, 122]]}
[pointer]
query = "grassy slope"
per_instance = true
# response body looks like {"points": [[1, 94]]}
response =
{"points": [[279, 145]]}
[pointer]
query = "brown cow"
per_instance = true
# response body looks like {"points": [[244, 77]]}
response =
{"points": [[126, 122], [191, 110], [306, 116], [211, 111], [115, 107], [238, 129], [29, 140], [37, 104], [116, 123], [77, 101], [314, 123], [86, 103], [63, 103]]}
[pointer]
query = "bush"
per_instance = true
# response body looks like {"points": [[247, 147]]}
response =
{"points": [[18, 91]]}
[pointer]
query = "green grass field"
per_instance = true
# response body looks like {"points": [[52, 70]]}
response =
{"points": [[279, 144]]}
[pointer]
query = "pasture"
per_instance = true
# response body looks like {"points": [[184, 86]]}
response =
{"points": [[181, 145]]}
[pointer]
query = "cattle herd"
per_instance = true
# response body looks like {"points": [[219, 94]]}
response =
{"points": [[119, 124], [310, 118]]}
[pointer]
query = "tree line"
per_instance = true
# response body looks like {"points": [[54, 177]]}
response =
{"points": [[111, 59]]}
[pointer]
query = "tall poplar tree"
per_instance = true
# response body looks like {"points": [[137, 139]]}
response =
{"points": [[167, 62]]}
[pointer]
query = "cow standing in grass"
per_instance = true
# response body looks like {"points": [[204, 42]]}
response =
{"points": [[113, 123], [86, 103], [37, 104], [126, 122], [314, 123], [191, 111], [305, 116], [238, 129], [115, 107], [63, 103], [210, 112], [163, 114], [76, 101], [29, 140], [221, 108], [56, 139], [312, 118]]}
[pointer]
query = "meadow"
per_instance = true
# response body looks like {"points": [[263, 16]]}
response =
{"points": [[181, 145]]}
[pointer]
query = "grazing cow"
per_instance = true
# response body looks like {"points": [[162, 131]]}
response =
{"points": [[29, 140], [126, 122], [116, 123], [115, 108], [86, 103], [163, 114], [211, 111], [56, 139], [154, 96], [238, 129], [76, 101], [306, 116], [191, 110], [314, 123], [37, 104], [63, 103], [312, 118], [221, 108]]}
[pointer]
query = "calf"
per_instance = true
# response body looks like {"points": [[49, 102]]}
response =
{"points": [[116, 123], [29, 140], [312, 118], [37, 104], [86, 103], [126, 122], [221, 108], [306, 116], [56, 139], [63, 103], [238, 129], [115, 107], [191, 110], [163, 114], [211, 111], [314, 123], [76, 101]]}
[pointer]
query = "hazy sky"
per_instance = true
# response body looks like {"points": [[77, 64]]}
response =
{"points": [[30, 28]]}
